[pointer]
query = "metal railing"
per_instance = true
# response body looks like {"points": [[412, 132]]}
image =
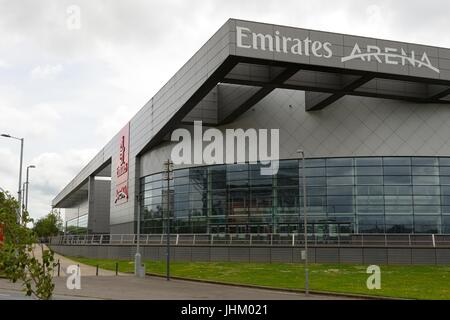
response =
{"points": [[249, 239]]}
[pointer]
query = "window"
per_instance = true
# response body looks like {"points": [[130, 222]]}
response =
{"points": [[377, 194]]}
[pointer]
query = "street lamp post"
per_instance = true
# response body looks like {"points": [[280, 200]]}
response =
{"points": [[137, 258], [305, 222], [19, 192], [27, 183], [168, 175]]}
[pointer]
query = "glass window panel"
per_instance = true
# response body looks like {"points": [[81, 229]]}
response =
{"points": [[444, 171], [369, 200], [399, 224], [261, 182], [430, 180], [445, 225], [425, 171], [317, 201], [424, 161], [444, 161], [368, 161], [445, 202], [424, 224], [398, 200], [287, 177], [218, 173], [234, 184], [180, 173], [310, 163], [369, 209], [369, 171], [340, 209], [339, 162], [398, 190], [397, 171], [428, 209], [444, 180], [313, 172], [340, 191], [339, 180], [291, 163], [369, 180], [370, 224], [427, 190], [397, 161], [237, 175], [243, 167], [181, 189], [339, 200], [393, 180], [181, 181], [339, 171], [398, 209], [316, 181], [156, 184], [427, 200], [445, 190], [316, 191], [369, 190]]}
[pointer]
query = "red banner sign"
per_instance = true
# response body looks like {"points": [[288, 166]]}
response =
{"points": [[121, 194]]}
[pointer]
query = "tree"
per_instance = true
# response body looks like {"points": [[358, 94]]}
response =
{"points": [[49, 226], [18, 259]]}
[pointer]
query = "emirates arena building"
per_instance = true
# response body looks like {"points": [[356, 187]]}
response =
{"points": [[372, 117]]}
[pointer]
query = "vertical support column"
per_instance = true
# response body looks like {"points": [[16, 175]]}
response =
{"points": [[137, 190], [91, 204]]}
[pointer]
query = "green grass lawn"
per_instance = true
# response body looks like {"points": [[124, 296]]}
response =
{"points": [[418, 282]]}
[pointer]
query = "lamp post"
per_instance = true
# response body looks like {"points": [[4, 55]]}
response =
{"points": [[305, 222], [137, 258], [19, 192], [168, 175], [26, 184]]}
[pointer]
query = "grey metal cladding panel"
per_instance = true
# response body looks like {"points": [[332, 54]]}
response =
{"points": [[152, 253], [327, 255], [239, 254], [337, 47], [351, 255], [281, 254], [349, 43], [201, 254], [394, 66], [183, 253], [443, 256], [375, 255], [423, 256], [258, 28], [219, 254], [259, 254], [399, 256]]}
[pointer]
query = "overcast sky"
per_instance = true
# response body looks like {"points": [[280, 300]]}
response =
{"points": [[68, 91]]}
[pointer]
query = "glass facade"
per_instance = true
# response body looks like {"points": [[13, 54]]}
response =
{"points": [[78, 225], [344, 195]]}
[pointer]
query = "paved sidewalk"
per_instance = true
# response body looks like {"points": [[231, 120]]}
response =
{"points": [[156, 288], [128, 287], [85, 270]]}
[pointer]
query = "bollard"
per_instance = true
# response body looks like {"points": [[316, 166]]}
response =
{"points": [[59, 267], [117, 268], [96, 271]]}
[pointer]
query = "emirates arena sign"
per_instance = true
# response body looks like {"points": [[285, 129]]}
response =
{"points": [[338, 50], [392, 56]]}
